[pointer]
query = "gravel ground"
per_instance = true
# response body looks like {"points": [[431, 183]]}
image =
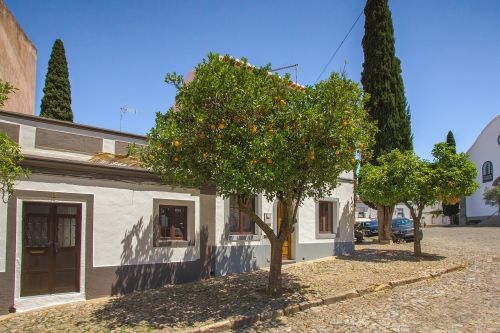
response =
{"points": [[463, 301], [191, 305]]}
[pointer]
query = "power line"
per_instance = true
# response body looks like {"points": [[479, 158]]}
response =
{"points": [[338, 48]]}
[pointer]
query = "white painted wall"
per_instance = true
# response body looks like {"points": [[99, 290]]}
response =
{"points": [[485, 148], [308, 217], [118, 212]]}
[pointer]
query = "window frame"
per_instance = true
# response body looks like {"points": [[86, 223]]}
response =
{"points": [[487, 171], [172, 227], [241, 219]]}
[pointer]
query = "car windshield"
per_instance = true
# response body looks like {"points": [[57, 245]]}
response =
{"points": [[373, 223], [401, 223]]}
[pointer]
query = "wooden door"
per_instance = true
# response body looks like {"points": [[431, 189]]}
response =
{"points": [[51, 248], [287, 244]]}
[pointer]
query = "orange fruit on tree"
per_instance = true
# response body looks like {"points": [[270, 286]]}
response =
{"points": [[345, 123], [269, 161], [213, 127], [254, 129], [254, 162], [205, 155], [176, 143], [221, 126]]}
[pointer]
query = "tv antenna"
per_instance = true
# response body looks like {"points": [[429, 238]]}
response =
{"points": [[123, 110], [296, 67]]}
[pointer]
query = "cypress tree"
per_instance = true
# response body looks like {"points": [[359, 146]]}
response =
{"points": [[450, 140], [381, 78], [56, 101], [451, 210]]}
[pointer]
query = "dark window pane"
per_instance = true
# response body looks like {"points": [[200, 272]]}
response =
{"points": [[325, 216], [37, 231], [173, 222], [239, 222]]}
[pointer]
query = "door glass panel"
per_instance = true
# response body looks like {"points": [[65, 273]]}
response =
{"points": [[37, 231], [66, 210], [66, 231]]}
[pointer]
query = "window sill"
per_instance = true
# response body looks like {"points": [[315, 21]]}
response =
{"points": [[326, 236], [235, 238], [173, 243]]}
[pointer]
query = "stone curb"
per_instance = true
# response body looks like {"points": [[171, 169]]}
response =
{"points": [[294, 308]]}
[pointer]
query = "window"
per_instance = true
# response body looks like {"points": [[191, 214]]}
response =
{"points": [[173, 222], [400, 212], [239, 222], [487, 171], [325, 217]]}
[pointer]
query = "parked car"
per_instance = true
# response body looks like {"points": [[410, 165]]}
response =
{"points": [[369, 228], [403, 230]]}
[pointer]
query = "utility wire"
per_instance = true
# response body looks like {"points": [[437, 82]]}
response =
{"points": [[338, 48]]}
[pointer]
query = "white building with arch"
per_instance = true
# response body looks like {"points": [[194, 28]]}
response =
{"points": [[485, 153]]}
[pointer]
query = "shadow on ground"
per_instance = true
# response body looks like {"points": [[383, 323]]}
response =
{"points": [[388, 255], [192, 304]]}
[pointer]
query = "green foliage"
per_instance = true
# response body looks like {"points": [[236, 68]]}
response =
{"points": [[404, 177], [249, 132], [491, 196], [393, 177], [56, 101], [10, 170], [452, 209], [455, 174], [381, 79], [5, 89]]}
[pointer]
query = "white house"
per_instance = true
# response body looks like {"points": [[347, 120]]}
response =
{"points": [[364, 212], [80, 228], [485, 153]]}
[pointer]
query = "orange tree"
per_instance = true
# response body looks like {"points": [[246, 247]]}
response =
{"points": [[247, 131], [405, 177]]}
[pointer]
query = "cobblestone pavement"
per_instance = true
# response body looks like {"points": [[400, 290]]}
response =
{"points": [[191, 305], [463, 301]]}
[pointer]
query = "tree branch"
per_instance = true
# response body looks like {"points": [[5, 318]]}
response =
{"points": [[243, 204]]}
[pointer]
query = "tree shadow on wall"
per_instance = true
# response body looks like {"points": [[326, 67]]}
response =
{"points": [[188, 304]]}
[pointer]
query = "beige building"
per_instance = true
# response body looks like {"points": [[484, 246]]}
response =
{"points": [[17, 63]]}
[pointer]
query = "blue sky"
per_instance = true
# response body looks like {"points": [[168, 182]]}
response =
{"points": [[120, 50]]}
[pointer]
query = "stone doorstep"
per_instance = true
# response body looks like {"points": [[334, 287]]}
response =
{"points": [[294, 308]]}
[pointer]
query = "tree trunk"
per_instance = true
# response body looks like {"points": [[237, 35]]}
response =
{"points": [[384, 216], [416, 216], [274, 287]]}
